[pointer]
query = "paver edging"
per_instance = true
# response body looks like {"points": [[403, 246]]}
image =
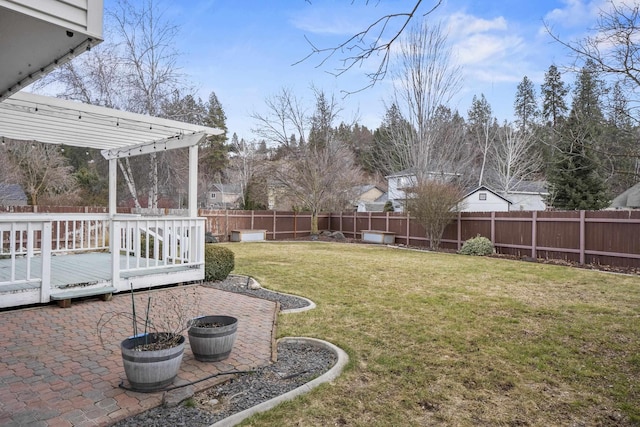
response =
{"points": [[328, 376]]}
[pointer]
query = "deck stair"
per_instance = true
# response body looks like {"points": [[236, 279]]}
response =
{"points": [[64, 298]]}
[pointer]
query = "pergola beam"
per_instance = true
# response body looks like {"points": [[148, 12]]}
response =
{"points": [[179, 141]]}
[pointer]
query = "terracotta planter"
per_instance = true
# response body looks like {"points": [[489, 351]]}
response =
{"points": [[211, 337], [150, 370]]}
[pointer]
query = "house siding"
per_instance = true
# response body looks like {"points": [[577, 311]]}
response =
{"points": [[492, 203]]}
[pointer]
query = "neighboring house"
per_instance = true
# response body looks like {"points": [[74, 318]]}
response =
{"points": [[369, 198], [629, 199], [374, 206], [528, 196], [483, 199], [398, 182], [367, 193], [224, 196], [12, 195]]}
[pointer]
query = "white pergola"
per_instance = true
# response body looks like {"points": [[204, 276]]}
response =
{"points": [[31, 117]]}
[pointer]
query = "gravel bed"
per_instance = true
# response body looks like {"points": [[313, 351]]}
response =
{"points": [[297, 364], [241, 284]]}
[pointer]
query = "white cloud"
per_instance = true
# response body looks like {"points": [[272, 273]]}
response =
{"points": [[486, 48], [461, 24], [579, 13]]}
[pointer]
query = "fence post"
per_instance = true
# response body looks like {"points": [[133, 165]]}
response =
{"points": [[386, 225], [408, 220], [355, 225], [459, 230], [493, 228], [534, 235], [582, 234], [369, 228], [274, 225]]}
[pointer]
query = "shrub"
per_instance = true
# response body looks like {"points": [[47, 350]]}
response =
{"points": [[478, 245], [218, 262]]}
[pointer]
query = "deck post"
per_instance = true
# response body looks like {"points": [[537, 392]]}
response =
{"points": [[45, 284], [193, 181], [113, 185], [114, 243]]}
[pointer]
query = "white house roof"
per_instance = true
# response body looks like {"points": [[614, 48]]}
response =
{"points": [[31, 117], [530, 187], [485, 188], [37, 36], [629, 199]]}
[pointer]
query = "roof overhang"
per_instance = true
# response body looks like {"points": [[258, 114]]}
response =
{"points": [[36, 37], [31, 117]]}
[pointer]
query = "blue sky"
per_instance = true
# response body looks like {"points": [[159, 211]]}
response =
{"points": [[244, 50]]}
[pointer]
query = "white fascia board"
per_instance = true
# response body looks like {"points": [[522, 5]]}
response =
{"points": [[110, 115], [181, 141]]}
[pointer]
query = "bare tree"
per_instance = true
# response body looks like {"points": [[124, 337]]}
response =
{"points": [[614, 47], [513, 158], [424, 82], [243, 164], [434, 205], [40, 169], [319, 178], [285, 117], [482, 128], [320, 173], [377, 40]]}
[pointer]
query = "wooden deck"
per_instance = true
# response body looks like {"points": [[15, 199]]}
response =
{"points": [[86, 269]]}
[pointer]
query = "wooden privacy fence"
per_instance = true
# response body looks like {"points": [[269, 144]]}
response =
{"points": [[587, 237], [278, 225]]}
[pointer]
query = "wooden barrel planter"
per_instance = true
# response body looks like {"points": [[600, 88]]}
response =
{"points": [[150, 370], [211, 337]]}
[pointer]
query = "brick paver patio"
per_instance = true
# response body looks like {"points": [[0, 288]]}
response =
{"points": [[55, 372]]}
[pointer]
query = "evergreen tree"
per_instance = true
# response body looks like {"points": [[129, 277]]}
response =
{"points": [[525, 104], [213, 157], [554, 91], [574, 182], [384, 158], [575, 178], [322, 133]]}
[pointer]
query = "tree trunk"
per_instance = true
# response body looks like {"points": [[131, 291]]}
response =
{"points": [[314, 222], [128, 178]]}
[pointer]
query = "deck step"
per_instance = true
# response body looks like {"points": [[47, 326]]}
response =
{"points": [[64, 298]]}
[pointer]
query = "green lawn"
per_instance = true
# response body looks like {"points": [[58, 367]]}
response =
{"points": [[445, 339]]}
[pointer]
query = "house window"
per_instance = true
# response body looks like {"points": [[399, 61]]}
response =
{"points": [[213, 195], [482, 196]]}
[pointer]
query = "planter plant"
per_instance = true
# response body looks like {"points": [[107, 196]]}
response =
{"points": [[211, 338], [152, 355]]}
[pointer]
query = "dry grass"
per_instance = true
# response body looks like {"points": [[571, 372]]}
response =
{"points": [[444, 339]]}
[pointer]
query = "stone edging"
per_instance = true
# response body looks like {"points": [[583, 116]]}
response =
{"points": [[311, 305], [330, 375]]}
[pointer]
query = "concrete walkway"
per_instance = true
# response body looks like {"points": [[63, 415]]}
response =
{"points": [[55, 372]]}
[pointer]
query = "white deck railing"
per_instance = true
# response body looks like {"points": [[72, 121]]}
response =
{"points": [[160, 242], [150, 245]]}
